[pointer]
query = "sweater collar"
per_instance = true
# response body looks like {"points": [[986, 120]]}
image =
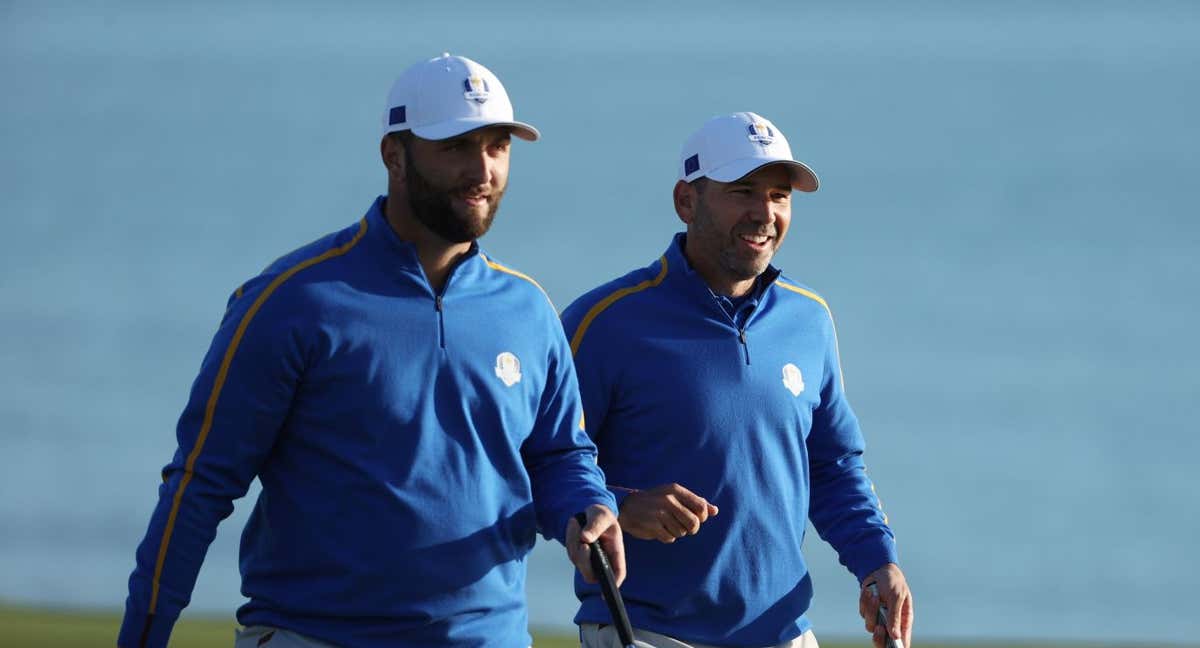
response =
{"points": [[678, 266], [403, 254]]}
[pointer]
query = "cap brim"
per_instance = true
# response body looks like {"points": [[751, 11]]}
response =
{"points": [[456, 127], [803, 178]]}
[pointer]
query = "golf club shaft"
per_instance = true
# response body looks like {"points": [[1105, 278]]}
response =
{"points": [[602, 569]]}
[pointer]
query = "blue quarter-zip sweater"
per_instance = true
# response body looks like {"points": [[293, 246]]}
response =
{"points": [[409, 445], [748, 411]]}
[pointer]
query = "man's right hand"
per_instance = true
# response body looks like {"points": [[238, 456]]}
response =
{"points": [[664, 513]]}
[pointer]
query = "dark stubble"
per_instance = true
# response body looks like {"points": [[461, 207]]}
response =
{"points": [[724, 244]]}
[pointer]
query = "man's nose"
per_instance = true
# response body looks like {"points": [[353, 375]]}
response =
{"points": [[762, 210], [478, 168]]}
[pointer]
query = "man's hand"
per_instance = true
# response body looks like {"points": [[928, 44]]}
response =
{"points": [[664, 513], [894, 593], [602, 524]]}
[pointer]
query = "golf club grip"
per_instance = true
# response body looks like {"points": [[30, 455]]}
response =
{"points": [[881, 618], [608, 588]]}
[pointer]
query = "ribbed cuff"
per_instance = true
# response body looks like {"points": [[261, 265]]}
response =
{"points": [[871, 555]]}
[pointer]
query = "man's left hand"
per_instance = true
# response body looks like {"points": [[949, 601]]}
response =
{"points": [[602, 524], [896, 597]]}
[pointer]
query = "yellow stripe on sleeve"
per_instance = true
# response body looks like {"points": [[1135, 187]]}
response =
{"points": [[577, 339], [817, 298], [516, 273], [878, 501], [807, 293], [218, 384]]}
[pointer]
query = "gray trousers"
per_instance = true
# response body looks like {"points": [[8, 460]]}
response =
{"points": [[594, 636], [264, 637]]}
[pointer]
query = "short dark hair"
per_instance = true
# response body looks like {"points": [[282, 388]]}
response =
{"points": [[699, 184], [403, 137]]}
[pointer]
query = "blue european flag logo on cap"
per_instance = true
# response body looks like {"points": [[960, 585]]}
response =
{"points": [[397, 116], [691, 165], [476, 89], [760, 133]]}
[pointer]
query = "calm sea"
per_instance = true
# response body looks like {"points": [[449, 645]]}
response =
{"points": [[1007, 231]]}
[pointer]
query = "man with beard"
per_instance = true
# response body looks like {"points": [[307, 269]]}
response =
{"points": [[408, 404], [713, 390]]}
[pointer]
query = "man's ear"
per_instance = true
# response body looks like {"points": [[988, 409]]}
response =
{"points": [[685, 196], [391, 153]]}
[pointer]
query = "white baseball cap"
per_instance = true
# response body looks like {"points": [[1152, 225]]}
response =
{"points": [[727, 148], [448, 96]]}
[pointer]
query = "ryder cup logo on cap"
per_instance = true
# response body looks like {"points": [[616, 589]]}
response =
{"points": [[447, 96], [476, 89], [729, 147], [760, 133]]}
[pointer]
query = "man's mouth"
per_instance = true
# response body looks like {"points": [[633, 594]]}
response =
{"points": [[756, 241], [473, 198]]}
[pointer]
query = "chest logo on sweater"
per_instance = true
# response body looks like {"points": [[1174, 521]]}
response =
{"points": [[792, 379], [508, 369]]}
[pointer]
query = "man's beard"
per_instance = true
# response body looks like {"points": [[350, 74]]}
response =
{"points": [[432, 207]]}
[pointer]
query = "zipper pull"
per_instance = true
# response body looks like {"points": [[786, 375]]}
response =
{"points": [[437, 303]]}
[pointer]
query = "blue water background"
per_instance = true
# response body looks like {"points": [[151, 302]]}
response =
{"points": [[1006, 231]]}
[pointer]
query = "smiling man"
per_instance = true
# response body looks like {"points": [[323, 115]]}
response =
{"points": [[713, 390], [408, 404]]}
